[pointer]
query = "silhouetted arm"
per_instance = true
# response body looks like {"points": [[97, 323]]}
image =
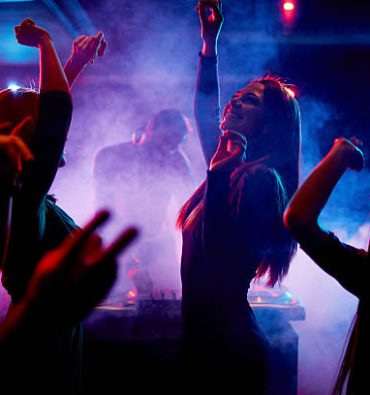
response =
{"points": [[207, 97], [14, 152], [84, 51], [54, 115], [343, 262], [52, 76]]}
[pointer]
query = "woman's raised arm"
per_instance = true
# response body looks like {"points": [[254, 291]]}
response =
{"points": [[207, 97]]}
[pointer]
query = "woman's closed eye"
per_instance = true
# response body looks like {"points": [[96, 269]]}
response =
{"points": [[250, 98]]}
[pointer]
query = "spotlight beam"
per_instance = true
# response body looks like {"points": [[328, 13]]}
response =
{"points": [[83, 20], [55, 8]]}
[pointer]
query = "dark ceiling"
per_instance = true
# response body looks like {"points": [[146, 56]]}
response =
{"points": [[325, 51], [326, 22]]}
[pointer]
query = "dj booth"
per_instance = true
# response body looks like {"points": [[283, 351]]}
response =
{"points": [[132, 341]]}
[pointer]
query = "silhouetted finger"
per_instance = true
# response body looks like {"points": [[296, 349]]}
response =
{"points": [[224, 138], [92, 46], [75, 243], [202, 13], [23, 149], [219, 3], [99, 36], [23, 127], [84, 42], [91, 249], [238, 136], [102, 47], [218, 12], [122, 241], [78, 40], [238, 154], [238, 151], [214, 5]]}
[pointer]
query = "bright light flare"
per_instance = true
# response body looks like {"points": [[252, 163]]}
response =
{"points": [[14, 87], [288, 6], [288, 10]]}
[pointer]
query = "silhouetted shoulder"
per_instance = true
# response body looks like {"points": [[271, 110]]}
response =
{"points": [[115, 150], [116, 154]]}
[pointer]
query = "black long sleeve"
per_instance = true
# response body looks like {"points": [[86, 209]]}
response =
{"points": [[207, 106], [348, 265], [237, 226], [55, 113]]}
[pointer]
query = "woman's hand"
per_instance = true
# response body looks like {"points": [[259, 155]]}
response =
{"points": [[230, 153], [210, 23], [85, 49], [350, 152], [27, 33]]}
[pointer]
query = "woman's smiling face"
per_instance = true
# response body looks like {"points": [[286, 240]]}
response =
{"points": [[244, 113]]}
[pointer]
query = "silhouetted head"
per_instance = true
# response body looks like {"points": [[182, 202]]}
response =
{"points": [[168, 129], [17, 104]]}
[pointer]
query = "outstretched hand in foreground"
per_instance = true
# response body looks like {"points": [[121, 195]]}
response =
{"points": [[70, 280]]}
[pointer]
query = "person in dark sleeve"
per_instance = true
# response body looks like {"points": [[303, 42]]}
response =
{"points": [[64, 287], [349, 265], [38, 224], [14, 153], [232, 225], [140, 180]]}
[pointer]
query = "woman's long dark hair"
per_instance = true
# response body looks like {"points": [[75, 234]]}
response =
{"points": [[278, 150]]}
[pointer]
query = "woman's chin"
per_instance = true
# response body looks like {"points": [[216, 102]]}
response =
{"points": [[226, 125]]}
